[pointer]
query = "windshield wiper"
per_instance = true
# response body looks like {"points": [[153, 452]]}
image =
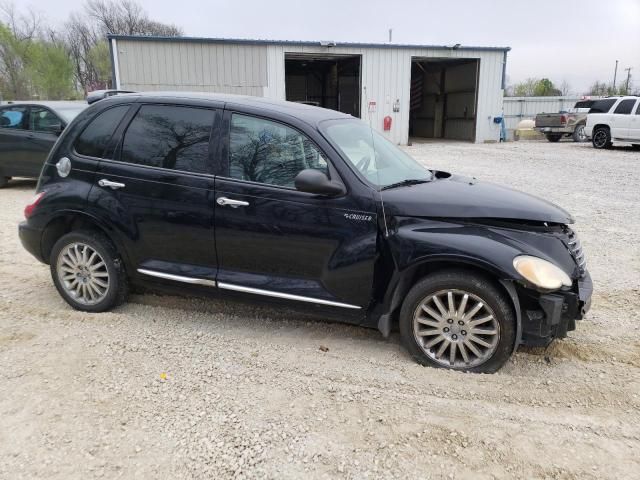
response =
{"points": [[405, 183]]}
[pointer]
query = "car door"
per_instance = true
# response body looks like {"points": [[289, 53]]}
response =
{"points": [[620, 123], [634, 124], [14, 140], [275, 241], [44, 128], [157, 188]]}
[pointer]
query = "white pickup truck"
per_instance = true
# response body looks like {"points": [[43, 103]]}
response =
{"points": [[614, 119]]}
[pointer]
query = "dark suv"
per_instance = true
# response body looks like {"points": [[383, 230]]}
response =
{"points": [[307, 207]]}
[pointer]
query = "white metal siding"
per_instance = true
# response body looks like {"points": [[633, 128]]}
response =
{"points": [[259, 70]]}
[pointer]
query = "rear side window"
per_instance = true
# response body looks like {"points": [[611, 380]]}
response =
{"points": [[625, 106], [584, 104], [94, 139], [602, 106], [269, 152], [170, 137], [14, 117]]}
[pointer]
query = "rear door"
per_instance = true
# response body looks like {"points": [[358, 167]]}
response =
{"points": [[14, 140], [621, 118], [275, 241], [158, 191], [634, 124]]}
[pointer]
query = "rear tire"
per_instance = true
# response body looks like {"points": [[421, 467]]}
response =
{"points": [[4, 181], [601, 138], [578, 134], [636, 146], [553, 137], [487, 345], [88, 272]]}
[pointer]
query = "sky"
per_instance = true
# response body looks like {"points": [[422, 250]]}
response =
{"points": [[563, 40]]}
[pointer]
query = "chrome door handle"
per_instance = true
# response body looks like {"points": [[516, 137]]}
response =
{"points": [[103, 182], [222, 201]]}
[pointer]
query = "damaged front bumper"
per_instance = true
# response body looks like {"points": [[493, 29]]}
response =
{"points": [[548, 316]]}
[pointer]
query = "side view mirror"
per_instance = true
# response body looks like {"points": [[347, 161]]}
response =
{"points": [[314, 181]]}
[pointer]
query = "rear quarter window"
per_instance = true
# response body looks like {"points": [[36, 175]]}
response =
{"points": [[94, 139], [14, 117], [625, 106], [602, 106]]}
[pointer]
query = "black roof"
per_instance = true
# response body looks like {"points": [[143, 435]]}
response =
{"points": [[307, 113]]}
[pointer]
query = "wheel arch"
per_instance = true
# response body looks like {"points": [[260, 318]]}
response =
{"points": [[73, 220], [407, 278]]}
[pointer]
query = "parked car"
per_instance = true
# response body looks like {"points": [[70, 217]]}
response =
{"points": [[614, 119], [554, 126], [28, 130], [307, 207]]}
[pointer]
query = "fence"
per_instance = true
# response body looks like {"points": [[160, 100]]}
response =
{"points": [[521, 108]]}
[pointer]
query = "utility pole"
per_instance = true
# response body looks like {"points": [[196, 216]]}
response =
{"points": [[390, 34], [628, 78], [615, 74]]}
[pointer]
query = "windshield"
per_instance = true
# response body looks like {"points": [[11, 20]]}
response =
{"points": [[69, 113], [380, 161]]}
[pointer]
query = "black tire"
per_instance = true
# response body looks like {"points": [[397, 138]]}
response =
{"points": [[601, 138], [117, 290], [4, 181], [636, 146], [578, 134], [553, 137], [481, 287]]}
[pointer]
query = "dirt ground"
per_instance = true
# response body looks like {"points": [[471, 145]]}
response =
{"points": [[168, 387]]}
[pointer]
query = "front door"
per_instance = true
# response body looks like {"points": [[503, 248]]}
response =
{"points": [[275, 241], [160, 188], [45, 126]]}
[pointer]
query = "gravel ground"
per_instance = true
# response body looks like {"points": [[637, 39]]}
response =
{"points": [[168, 387]]}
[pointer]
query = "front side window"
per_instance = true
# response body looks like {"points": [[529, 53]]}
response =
{"points": [[269, 152], [171, 137], [95, 137], [14, 117], [43, 120], [625, 106], [602, 106]]}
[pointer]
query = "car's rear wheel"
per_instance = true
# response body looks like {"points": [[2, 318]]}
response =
{"points": [[4, 181], [87, 271], [636, 146], [578, 134], [458, 320], [553, 137], [601, 138]]}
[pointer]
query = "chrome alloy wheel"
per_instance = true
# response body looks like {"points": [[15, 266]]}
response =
{"points": [[456, 329], [582, 136], [600, 138], [83, 273]]}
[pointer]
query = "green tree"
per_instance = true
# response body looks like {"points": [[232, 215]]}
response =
{"points": [[13, 74], [99, 58], [545, 88], [50, 70]]}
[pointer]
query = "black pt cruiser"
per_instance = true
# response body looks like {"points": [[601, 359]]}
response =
{"points": [[306, 207]]}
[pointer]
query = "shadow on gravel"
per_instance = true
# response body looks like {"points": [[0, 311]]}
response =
{"points": [[21, 184]]}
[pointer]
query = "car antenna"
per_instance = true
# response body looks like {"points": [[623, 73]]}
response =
{"points": [[375, 162]]}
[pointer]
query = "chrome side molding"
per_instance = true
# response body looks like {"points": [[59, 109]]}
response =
{"points": [[178, 278], [286, 296]]}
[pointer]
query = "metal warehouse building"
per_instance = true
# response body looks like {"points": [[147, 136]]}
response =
{"points": [[405, 91]]}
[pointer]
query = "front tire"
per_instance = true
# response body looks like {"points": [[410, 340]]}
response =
{"points": [[553, 137], [601, 138], [88, 272], [4, 181], [458, 320]]}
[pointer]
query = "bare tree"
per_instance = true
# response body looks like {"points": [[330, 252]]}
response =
{"points": [[565, 88], [126, 18]]}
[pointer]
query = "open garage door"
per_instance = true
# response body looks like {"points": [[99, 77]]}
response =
{"points": [[329, 81], [444, 98]]}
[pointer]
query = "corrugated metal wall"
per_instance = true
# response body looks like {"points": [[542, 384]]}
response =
{"points": [[523, 108], [260, 70]]}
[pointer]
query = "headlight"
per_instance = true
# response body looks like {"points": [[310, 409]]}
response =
{"points": [[541, 273]]}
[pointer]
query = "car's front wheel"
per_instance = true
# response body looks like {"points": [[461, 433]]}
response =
{"points": [[88, 272], [458, 320]]}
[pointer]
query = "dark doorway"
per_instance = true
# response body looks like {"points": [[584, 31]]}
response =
{"points": [[329, 81], [444, 97]]}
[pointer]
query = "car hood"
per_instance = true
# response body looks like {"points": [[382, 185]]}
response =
{"points": [[453, 196]]}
